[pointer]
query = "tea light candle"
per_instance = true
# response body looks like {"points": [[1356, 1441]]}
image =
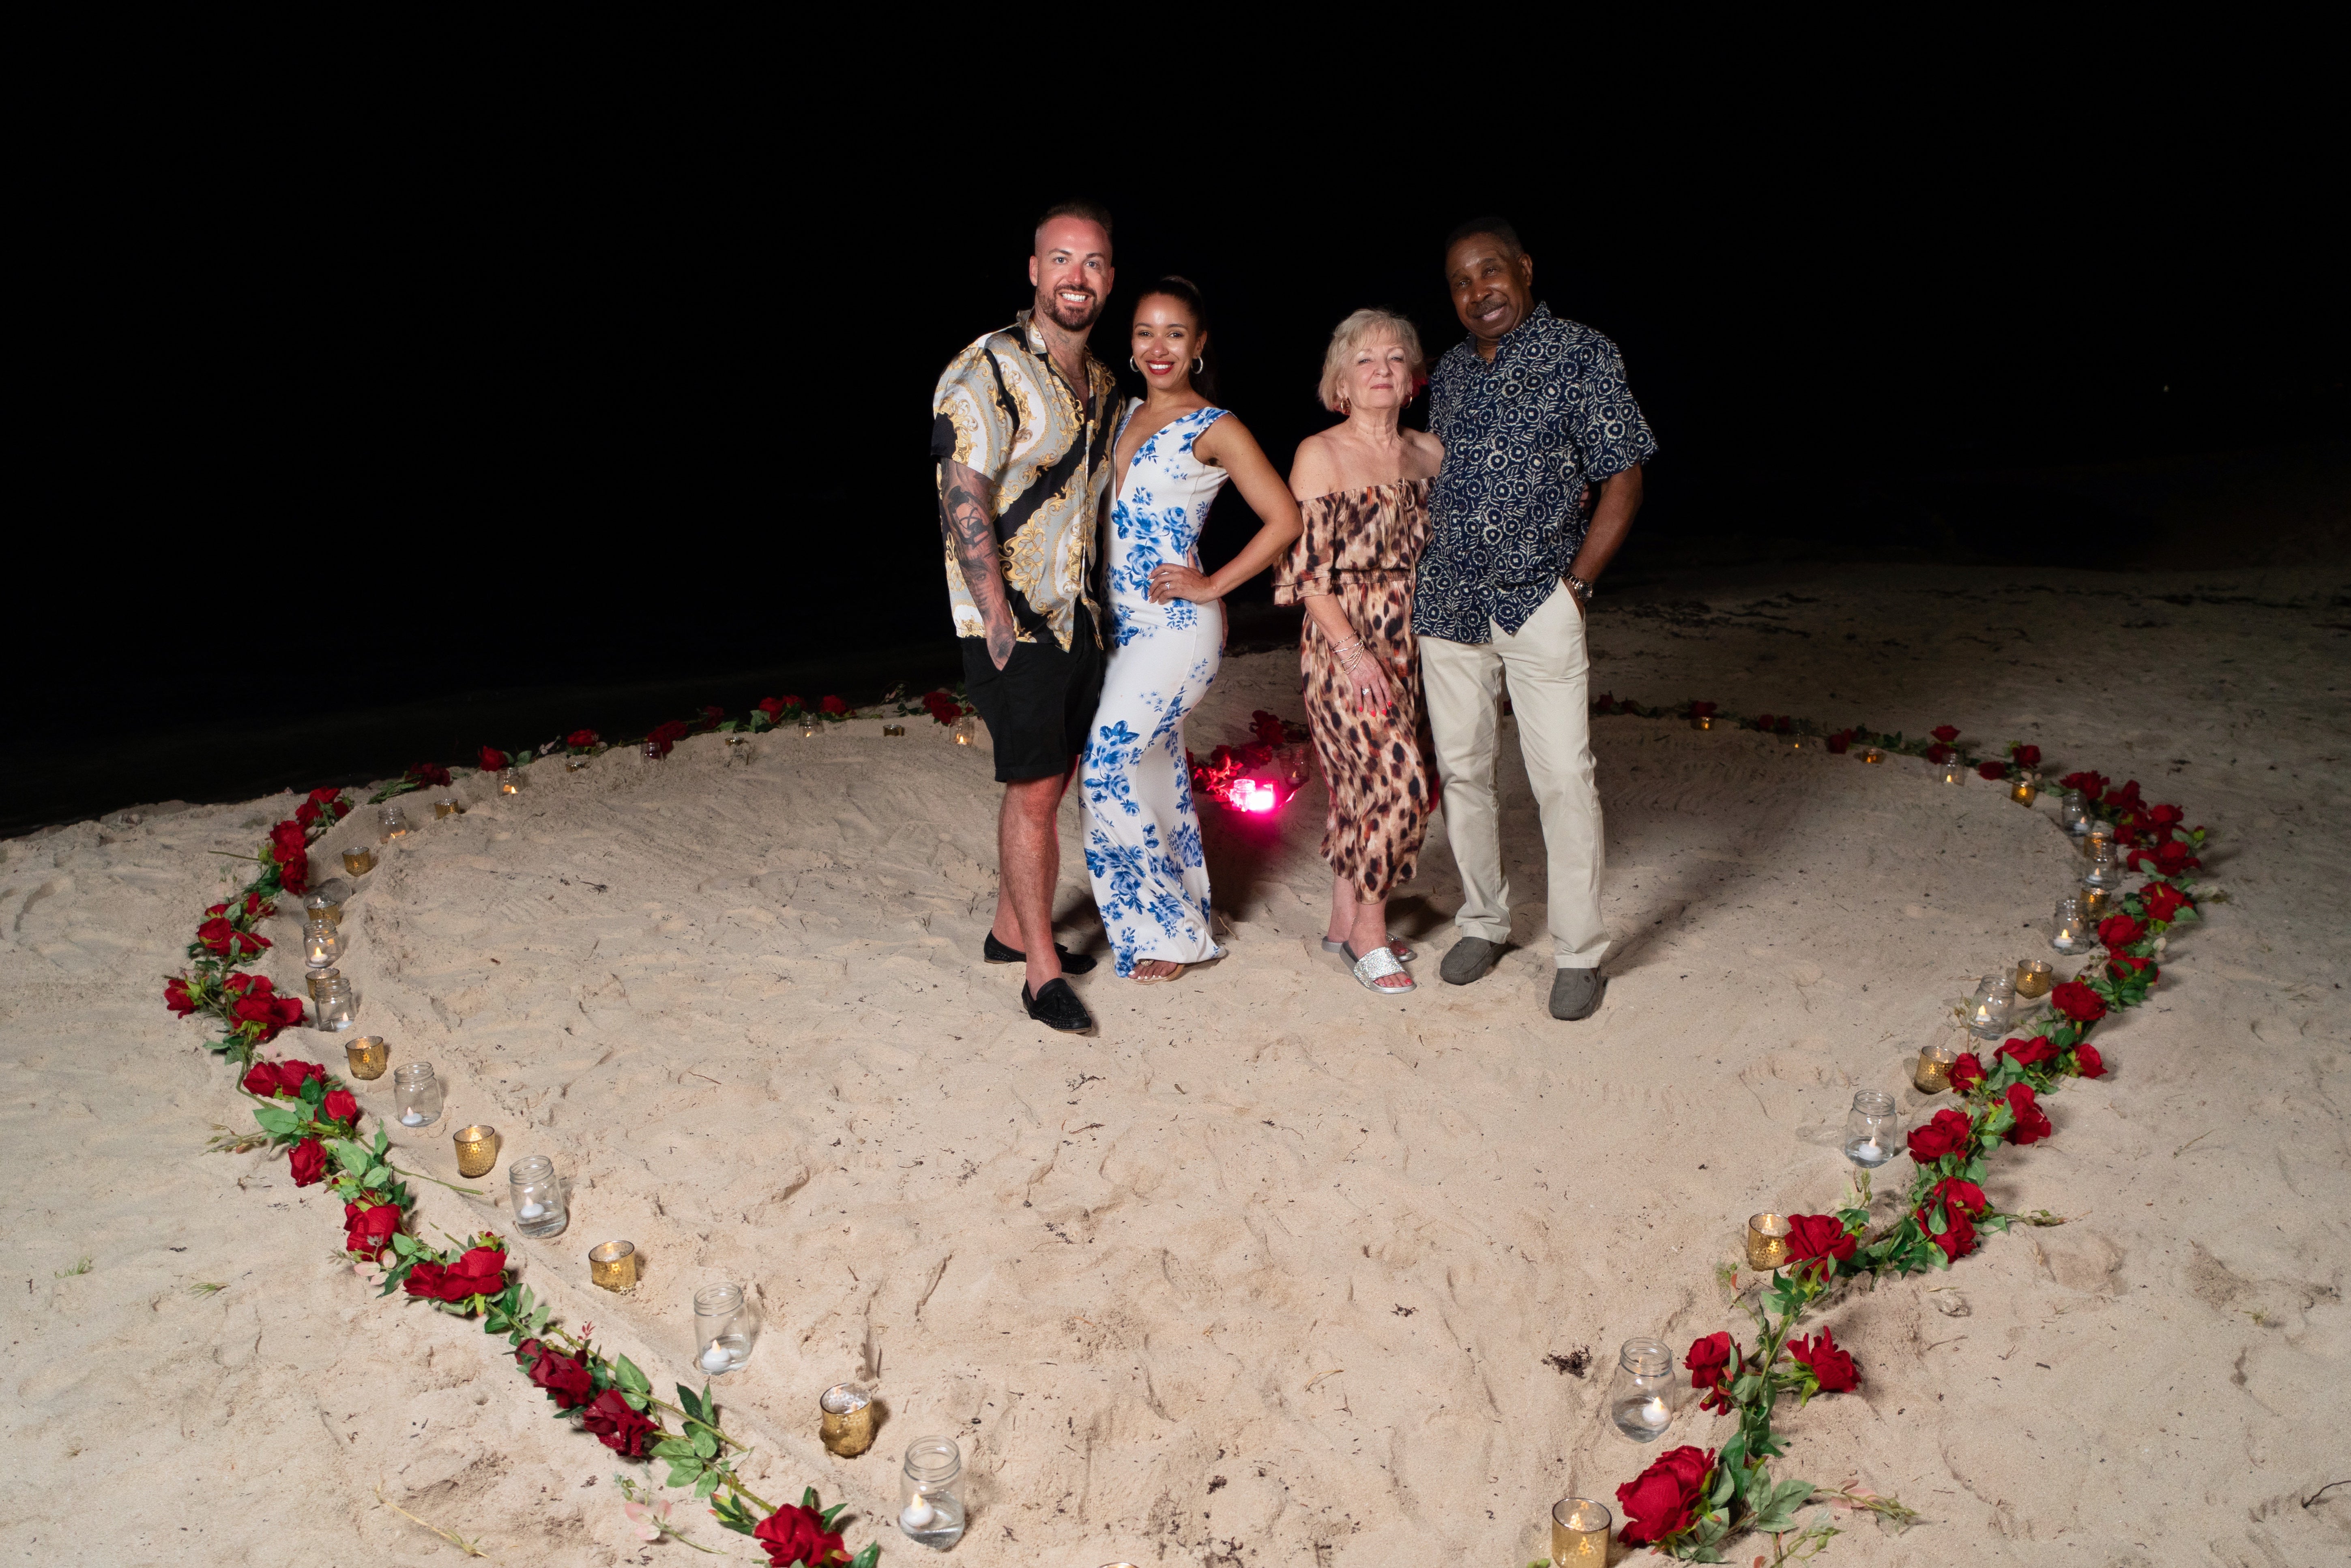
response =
{"points": [[2024, 791], [448, 807], [1578, 1533], [1955, 772], [392, 821], [716, 1359], [1767, 1240], [320, 946], [1933, 1073], [2032, 979], [510, 781], [1872, 755], [529, 1210], [359, 862], [809, 729], [966, 730], [1702, 721], [2068, 931]]}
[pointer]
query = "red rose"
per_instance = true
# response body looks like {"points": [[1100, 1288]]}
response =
{"points": [[2025, 1053], [1938, 752], [2164, 902], [217, 936], [2172, 859], [1992, 770], [792, 702], [1967, 1072], [2092, 785], [176, 998], [1712, 1363], [1821, 1237], [2123, 964], [1763, 721], [1604, 703], [666, 735], [428, 773], [340, 1106], [308, 1161], [262, 1079], [482, 1272], [567, 1382], [1700, 710], [2077, 1002], [367, 1231], [796, 1534], [1839, 741], [1832, 1368], [289, 847], [1946, 733], [2087, 1061], [305, 814], [1950, 1132], [711, 713], [580, 739], [2032, 1122], [292, 1075], [1963, 1197], [494, 760], [2119, 931], [1961, 1201], [774, 709], [2026, 756], [268, 1013], [834, 704], [1663, 1499], [616, 1425]]}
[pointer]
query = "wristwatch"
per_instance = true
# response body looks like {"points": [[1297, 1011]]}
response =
{"points": [[1578, 587]]}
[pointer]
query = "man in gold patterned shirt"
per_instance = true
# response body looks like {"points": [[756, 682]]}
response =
{"points": [[1021, 431]]}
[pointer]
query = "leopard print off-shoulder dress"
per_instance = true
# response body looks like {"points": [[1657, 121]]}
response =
{"points": [[1362, 547]]}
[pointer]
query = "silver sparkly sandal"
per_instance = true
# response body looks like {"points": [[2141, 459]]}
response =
{"points": [[1333, 945], [1375, 965]]}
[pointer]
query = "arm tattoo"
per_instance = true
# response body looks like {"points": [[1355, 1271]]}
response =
{"points": [[970, 534]]}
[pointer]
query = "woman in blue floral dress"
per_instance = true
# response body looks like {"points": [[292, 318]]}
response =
{"points": [[1175, 451]]}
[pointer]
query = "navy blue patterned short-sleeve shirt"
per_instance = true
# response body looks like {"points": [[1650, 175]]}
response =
{"points": [[1525, 438]]}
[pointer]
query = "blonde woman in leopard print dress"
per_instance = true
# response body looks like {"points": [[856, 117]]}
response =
{"points": [[1363, 492]]}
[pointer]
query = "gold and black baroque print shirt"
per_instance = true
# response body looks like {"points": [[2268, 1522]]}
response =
{"points": [[1004, 411]]}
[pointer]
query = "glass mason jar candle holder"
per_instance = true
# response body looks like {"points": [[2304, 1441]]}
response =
{"points": [[2033, 978], [2106, 867], [930, 1498], [653, 751], [1641, 1396], [724, 1329], [809, 729], [612, 1265], [446, 806], [338, 1009], [317, 906], [1701, 721], [738, 748], [965, 730], [2073, 813], [2069, 932], [2101, 835], [510, 781], [1873, 1129], [359, 862], [415, 1094], [477, 1150], [391, 822], [538, 1206], [369, 1055], [1767, 1240], [577, 762], [1988, 1010], [2025, 788], [1578, 1533], [845, 1420], [1871, 754], [1954, 771], [319, 979], [1933, 1073], [321, 944]]}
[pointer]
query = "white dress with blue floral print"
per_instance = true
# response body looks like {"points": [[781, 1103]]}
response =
{"points": [[1143, 838]]}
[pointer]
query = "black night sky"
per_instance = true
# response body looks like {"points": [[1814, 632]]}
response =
{"points": [[492, 423]]}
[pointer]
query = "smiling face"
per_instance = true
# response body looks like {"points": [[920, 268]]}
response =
{"points": [[1071, 271], [1164, 342], [1378, 375], [1492, 289]]}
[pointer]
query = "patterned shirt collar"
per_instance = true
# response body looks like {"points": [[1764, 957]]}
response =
{"points": [[1511, 344]]}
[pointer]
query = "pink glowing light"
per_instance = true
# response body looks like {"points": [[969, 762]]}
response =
{"points": [[1251, 795]]}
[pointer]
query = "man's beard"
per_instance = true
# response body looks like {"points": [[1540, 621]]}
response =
{"points": [[1061, 313]]}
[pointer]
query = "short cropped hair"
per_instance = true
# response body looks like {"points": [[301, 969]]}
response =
{"points": [[1489, 225], [1362, 328], [1094, 213]]}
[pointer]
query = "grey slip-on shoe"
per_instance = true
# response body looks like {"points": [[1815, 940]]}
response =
{"points": [[1469, 959], [1575, 993]]}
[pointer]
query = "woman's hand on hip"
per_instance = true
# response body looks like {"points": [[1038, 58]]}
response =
{"points": [[1173, 581]]}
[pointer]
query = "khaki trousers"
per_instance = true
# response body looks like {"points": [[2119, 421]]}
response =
{"points": [[1549, 666]]}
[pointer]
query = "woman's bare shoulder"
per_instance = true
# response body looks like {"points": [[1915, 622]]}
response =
{"points": [[1314, 470]]}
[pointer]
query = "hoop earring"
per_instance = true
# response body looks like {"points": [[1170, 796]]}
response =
{"points": [[1132, 365], [1196, 363]]}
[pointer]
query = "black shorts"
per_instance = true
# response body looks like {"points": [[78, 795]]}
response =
{"points": [[1039, 708]]}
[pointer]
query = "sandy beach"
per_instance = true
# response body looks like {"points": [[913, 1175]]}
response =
{"points": [[1272, 1271]]}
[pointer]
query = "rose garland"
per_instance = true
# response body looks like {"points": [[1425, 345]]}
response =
{"points": [[300, 1107], [1690, 1499]]}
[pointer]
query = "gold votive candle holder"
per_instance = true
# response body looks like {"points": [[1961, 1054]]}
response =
{"points": [[369, 1056], [893, 729], [477, 1150], [1871, 754], [359, 862], [318, 908], [448, 807], [2097, 902], [1702, 721], [2024, 790], [1767, 1241], [2033, 978], [317, 980], [1578, 1533], [845, 1420], [1933, 1073], [613, 1265]]}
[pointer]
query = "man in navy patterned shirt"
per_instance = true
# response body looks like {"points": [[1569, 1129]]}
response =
{"points": [[1537, 422]]}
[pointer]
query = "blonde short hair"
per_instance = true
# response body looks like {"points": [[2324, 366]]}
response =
{"points": [[1355, 331]]}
